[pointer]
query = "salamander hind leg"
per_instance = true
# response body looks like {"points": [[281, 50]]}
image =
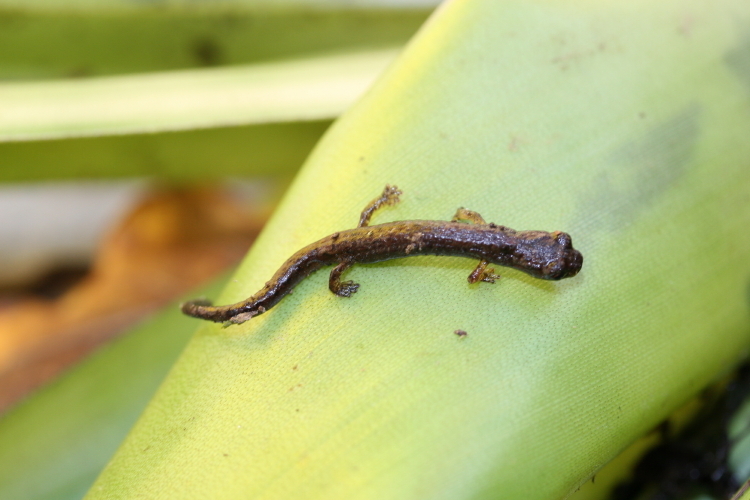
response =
{"points": [[342, 288], [483, 273], [220, 314], [463, 214], [389, 197], [238, 319]]}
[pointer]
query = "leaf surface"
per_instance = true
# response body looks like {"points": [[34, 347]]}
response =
{"points": [[623, 123], [57, 442], [302, 90]]}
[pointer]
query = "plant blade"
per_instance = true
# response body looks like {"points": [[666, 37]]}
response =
{"points": [[302, 90], [623, 124]]}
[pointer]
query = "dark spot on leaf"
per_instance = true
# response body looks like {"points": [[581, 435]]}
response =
{"points": [[738, 59], [640, 170], [206, 52]]}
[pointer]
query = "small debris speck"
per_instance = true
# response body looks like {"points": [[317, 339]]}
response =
{"points": [[461, 333]]}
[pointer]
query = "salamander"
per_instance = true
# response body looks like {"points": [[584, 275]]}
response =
{"points": [[543, 255]]}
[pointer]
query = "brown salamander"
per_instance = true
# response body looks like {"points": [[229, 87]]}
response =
{"points": [[543, 255]]}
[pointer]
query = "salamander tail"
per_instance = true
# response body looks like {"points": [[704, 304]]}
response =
{"points": [[195, 308]]}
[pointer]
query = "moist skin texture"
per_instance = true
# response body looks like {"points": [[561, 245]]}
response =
{"points": [[543, 255]]}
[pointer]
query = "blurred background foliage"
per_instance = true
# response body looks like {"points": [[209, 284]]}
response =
{"points": [[72, 39], [70, 48], [142, 147]]}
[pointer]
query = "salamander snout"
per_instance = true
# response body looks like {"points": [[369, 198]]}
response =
{"points": [[571, 260], [572, 263]]}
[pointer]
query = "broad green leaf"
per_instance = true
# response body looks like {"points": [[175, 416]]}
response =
{"points": [[624, 123], [615, 472], [56, 442], [211, 123], [301, 90], [276, 149], [52, 39], [43, 39], [208, 5]]}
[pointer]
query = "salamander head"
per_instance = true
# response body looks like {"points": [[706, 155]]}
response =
{"points": [[569, 261], [543, 255]]}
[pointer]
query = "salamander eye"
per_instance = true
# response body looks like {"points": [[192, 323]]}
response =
{"points": [[563, 239]]}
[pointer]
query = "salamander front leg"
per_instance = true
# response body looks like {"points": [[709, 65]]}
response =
{"points": [[483, 273], [389, 197], [463, 214], [342, 288]]}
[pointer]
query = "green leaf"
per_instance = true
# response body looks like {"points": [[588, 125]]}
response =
{"points": [[624, 123], [276, 149], [53, 39], [301, 90], [257, 120], [43, 39], [56, 442], [743, 493]]}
